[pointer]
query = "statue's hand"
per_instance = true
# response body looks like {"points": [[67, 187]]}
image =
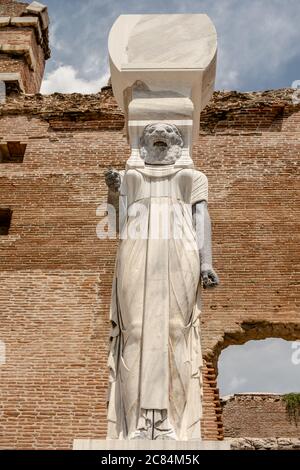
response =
{"points": [[113, 179], [209, 278]]}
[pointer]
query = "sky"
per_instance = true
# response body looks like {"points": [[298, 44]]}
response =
{"points": [[258, 41], [271, 365], [258, 49]]}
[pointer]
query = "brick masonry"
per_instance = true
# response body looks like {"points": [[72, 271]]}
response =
{"points": [[11, 8], [31, 79], [23, 47], [56, 274], [257, 415]]}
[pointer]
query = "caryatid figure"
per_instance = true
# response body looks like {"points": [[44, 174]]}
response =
{"points": [[165, 251]]}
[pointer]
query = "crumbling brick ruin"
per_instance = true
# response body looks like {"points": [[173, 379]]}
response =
{"points": [[258, 415], [56, 274]]}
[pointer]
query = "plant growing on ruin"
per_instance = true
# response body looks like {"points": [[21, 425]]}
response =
{"points": [[292, 404]]}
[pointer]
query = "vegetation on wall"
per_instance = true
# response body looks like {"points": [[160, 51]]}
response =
{"points": [[292, 403]]}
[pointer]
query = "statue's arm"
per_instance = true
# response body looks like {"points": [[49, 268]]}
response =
{"points": [[113, 179], [202, 223]]}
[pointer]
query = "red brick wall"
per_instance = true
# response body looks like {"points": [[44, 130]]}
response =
{"points": [[10, 8], [257, 415], [56, 275]]}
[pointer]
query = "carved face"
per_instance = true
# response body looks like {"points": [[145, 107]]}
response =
{"points": [[161, 144]]}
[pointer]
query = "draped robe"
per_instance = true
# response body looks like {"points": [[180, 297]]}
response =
{"points": [[155, 353]]}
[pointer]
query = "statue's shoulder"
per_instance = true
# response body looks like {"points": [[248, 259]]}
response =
{"points": [[200, 187], [199, 177], [130, 171]]}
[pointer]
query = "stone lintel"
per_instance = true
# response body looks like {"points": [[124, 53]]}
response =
{"points": [[29, 22], [4, 21], [25, 51], [163, 70], [12, 78], [41, 10]]}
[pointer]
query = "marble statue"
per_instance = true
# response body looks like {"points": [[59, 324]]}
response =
{"points": [[155, 352], [163, 69]]}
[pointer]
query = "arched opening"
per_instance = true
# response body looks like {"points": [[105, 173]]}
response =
{"points": [[271, 365], [259, 385], [239, 334]]}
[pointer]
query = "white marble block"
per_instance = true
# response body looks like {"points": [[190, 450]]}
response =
{"points": [[163, 70], [104, 445]]}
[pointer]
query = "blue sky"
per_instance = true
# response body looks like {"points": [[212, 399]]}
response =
{"points": [[259, 40], [259, 48]]}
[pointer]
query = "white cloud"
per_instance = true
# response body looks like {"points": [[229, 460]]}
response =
{"points": [[55, 38], [229, 79], [258, 39], [235, 383], [259, 366], [65, 80]]}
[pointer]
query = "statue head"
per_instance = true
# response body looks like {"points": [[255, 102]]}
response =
{"points": [[161, 144]]}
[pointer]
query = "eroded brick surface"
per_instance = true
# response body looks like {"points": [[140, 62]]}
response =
{"points": [[259, 415]]}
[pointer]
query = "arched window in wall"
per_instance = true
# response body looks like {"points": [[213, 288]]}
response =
{"points": [[271, 365], [259, 385]]}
